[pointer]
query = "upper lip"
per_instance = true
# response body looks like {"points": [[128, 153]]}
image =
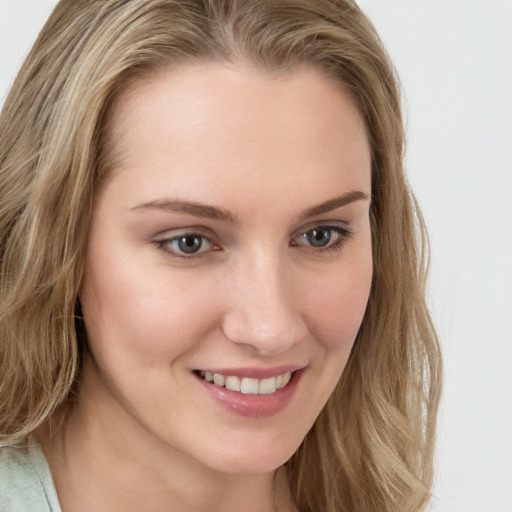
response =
{"points": [[254, 372]]}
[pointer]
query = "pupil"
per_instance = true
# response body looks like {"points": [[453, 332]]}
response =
{"points": [[319, 237], [190, 244]]}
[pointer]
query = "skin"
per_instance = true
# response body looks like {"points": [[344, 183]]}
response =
{"points": [[258, 294]]}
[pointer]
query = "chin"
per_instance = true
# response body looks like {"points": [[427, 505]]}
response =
{"points": [[256, 458]]}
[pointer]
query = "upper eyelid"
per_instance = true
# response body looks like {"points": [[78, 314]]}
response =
{"points": [[344, 235], [343, 230], [169, 234], [172, 234], [322, 223], [162, 242], [211, 236]]}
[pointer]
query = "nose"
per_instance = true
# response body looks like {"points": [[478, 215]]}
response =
{"points": [[263, 310]]}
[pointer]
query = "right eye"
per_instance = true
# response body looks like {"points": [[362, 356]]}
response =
{"points": [[186, 245]]}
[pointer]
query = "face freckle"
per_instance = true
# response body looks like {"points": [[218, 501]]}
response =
{"points": [[232, 238]]}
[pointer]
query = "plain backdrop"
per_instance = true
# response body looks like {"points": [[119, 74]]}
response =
{"points": [[454, 60]]}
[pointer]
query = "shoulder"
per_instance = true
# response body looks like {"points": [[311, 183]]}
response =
{"points": [[25, 480]]}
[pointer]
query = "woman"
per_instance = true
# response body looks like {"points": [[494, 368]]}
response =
{"points": [[212, 294]]}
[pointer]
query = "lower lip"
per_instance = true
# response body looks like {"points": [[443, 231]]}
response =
{"points": [[253, 406]]}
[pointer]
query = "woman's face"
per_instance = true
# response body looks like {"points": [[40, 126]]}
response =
{"points": [[231, 239]]}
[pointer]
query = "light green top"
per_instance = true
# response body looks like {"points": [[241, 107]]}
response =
{"points": [[26, 483]]}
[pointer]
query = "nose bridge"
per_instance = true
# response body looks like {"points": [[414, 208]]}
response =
{"points": [[263, 310]]}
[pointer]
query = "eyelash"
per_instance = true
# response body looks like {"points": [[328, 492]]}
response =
{"points": [[163, 245], [344, 234]]}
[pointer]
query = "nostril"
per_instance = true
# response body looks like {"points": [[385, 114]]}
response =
{"points": [[269, 334]]}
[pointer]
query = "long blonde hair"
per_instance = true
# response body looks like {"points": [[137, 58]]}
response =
{"points": [[371, 448]]}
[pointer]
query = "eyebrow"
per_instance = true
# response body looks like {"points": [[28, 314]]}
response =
{"points": [[215, 213], [333, 204], [190, 208]]}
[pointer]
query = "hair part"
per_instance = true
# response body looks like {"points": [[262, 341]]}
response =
{"points": [[372, 445]]}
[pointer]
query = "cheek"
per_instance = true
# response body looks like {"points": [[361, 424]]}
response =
{"points": [[335, 311], [141, 313]]}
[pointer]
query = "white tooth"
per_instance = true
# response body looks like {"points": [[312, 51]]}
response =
{"points": [[279, 382], [208, 376], [286, 378], [202, 373], [233, 383], [219, 379], [267, 386], [249, 386]]}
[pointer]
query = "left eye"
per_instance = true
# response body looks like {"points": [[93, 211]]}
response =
{"points": [[185, 245], [323, 237]]}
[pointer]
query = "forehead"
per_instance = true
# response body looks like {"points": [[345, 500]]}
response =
{"points": [[233, 122]]}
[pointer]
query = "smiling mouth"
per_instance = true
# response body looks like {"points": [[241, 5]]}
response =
{"points": [[245, 385]]}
